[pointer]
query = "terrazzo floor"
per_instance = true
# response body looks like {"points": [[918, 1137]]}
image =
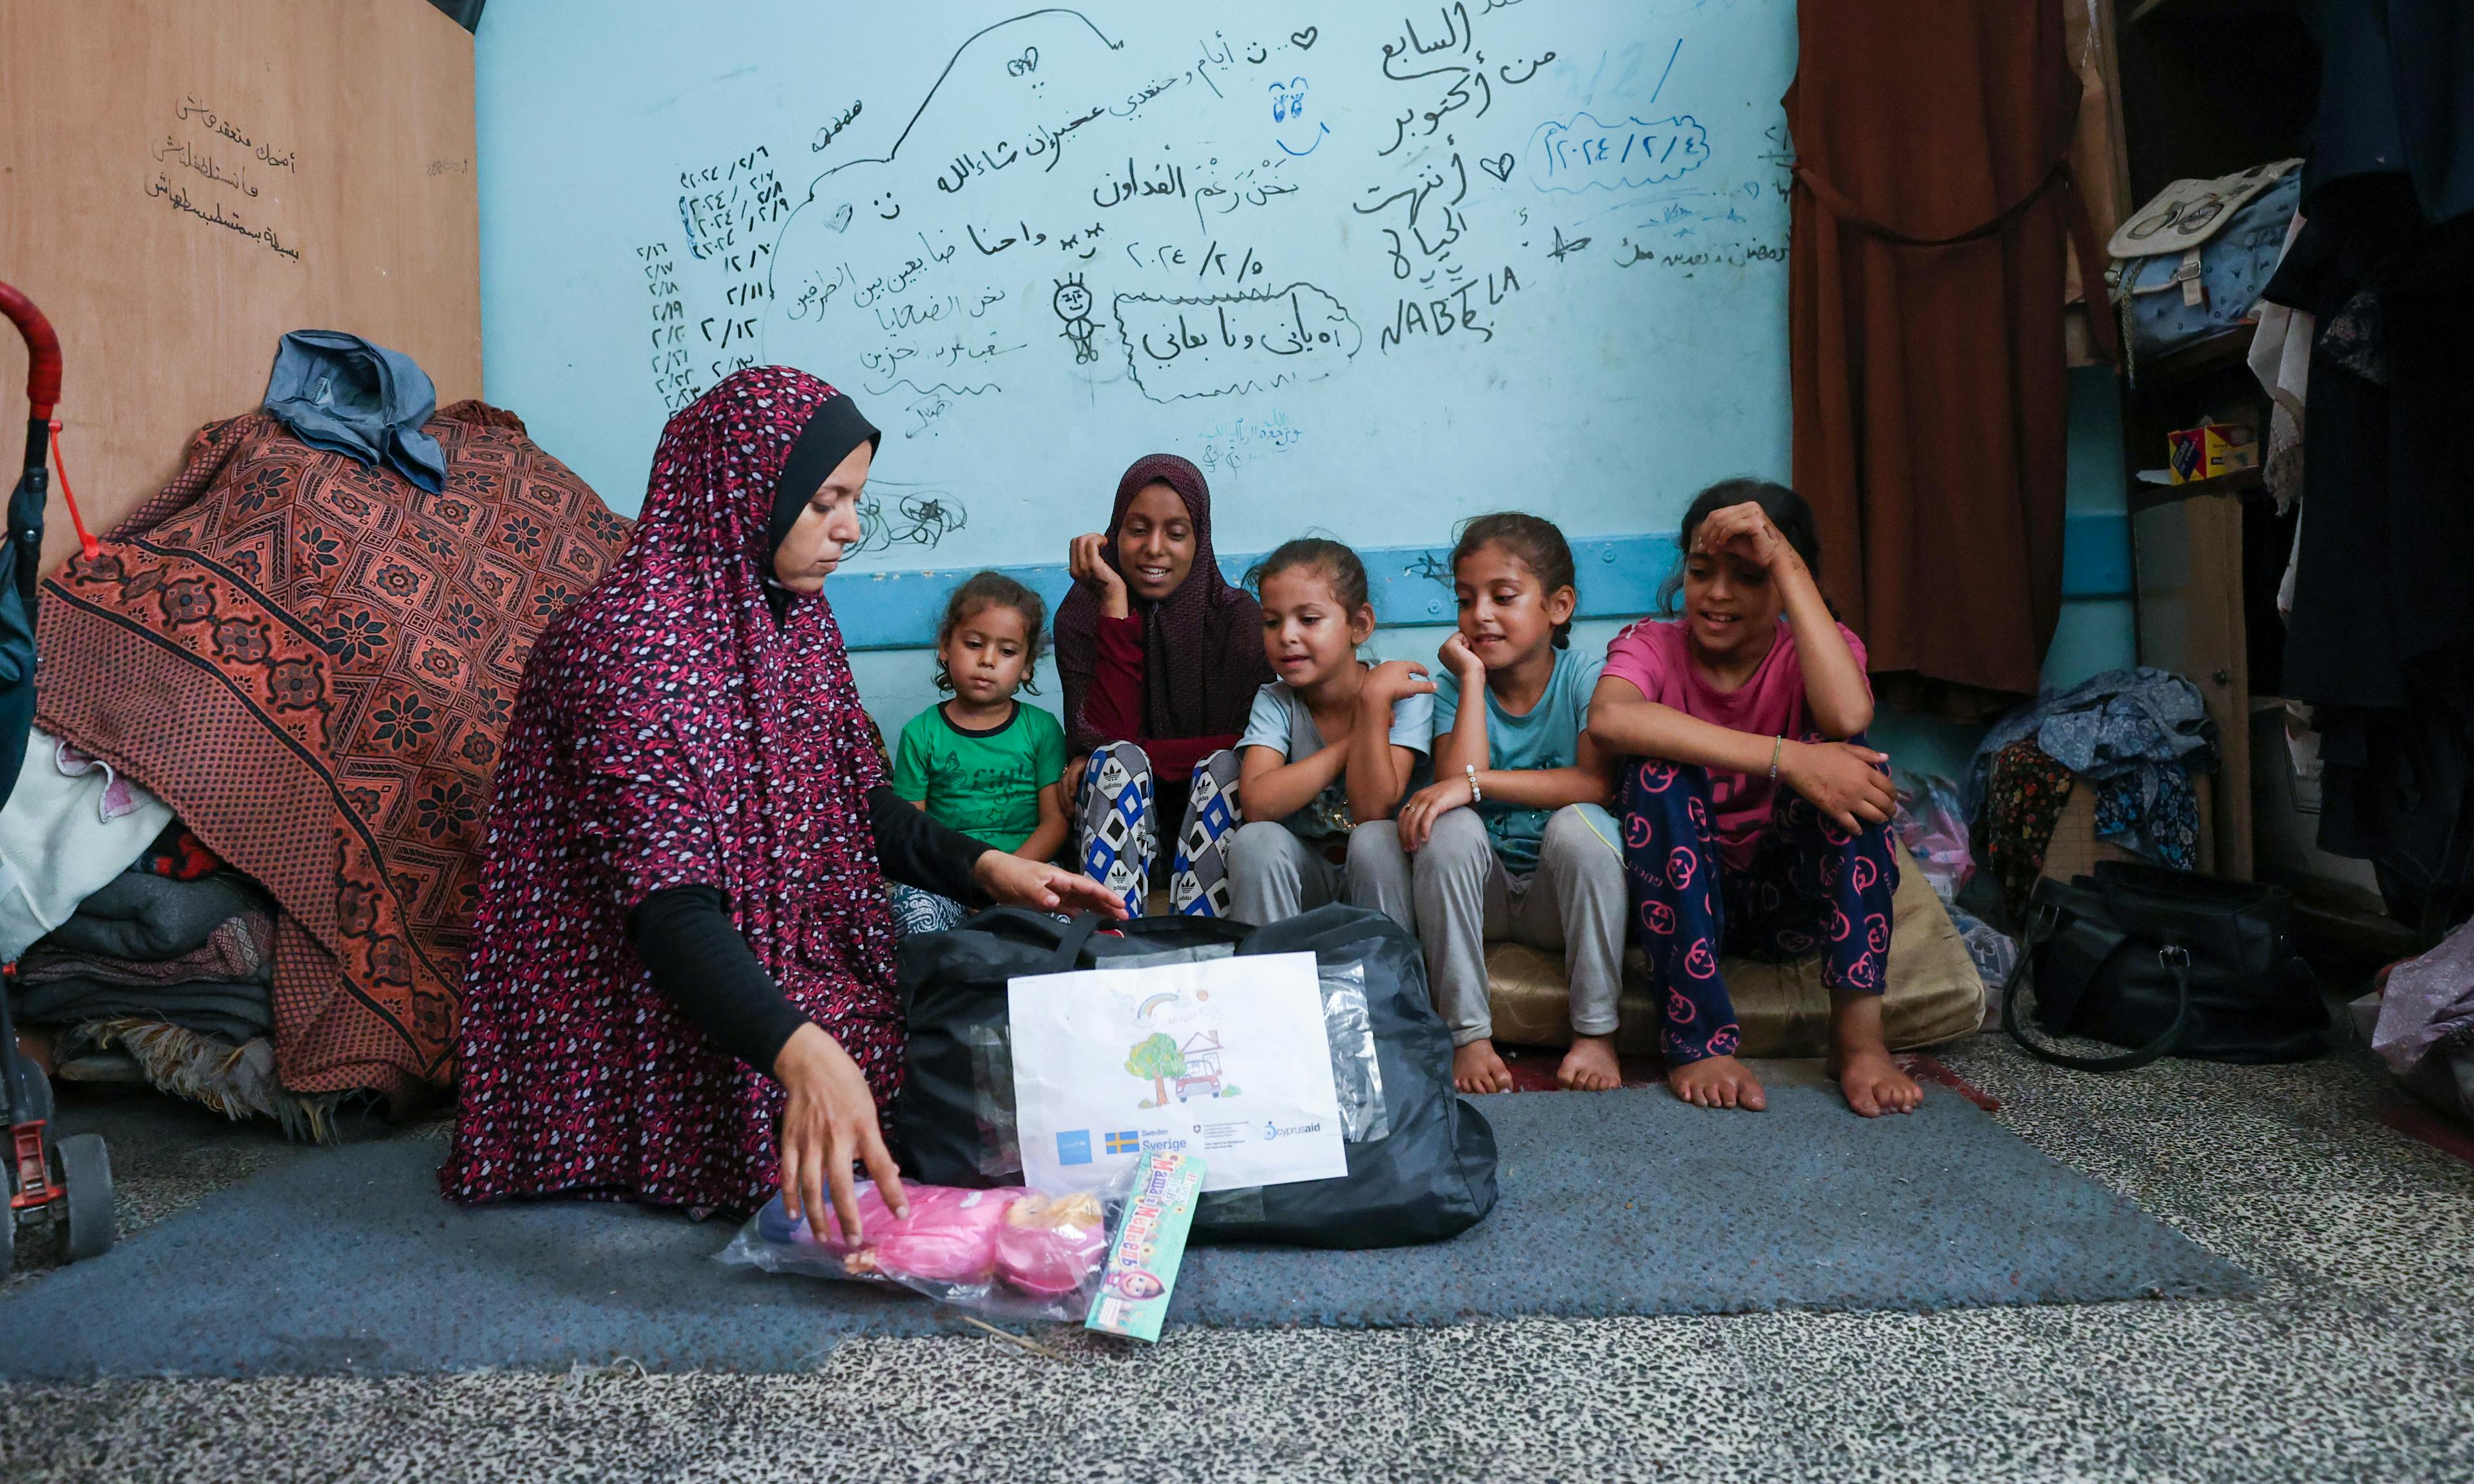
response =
{"points": [[2355, 1362]]}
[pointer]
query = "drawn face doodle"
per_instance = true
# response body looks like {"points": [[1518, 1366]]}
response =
{"points": [[1073, 301], [1700, 963], [1681, 863], [1658, 916]]}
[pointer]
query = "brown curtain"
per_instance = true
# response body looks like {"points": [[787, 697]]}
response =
{"points": [[1925, 312]]}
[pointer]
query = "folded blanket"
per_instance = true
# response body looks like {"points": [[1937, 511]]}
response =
{"points": [[142, 916], [233, 1011], [240, 950]]}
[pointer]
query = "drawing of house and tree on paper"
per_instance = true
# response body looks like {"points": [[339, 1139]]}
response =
{"points": [[1227, 1060]]}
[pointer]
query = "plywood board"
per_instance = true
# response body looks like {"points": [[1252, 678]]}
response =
{"points": [[182, 183], [2188, 557]]}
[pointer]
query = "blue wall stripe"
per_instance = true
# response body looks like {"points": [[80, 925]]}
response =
{"points": [[1410, 585]]}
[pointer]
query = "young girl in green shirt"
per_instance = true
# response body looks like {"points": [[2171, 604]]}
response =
{"points": [[983, 762]]}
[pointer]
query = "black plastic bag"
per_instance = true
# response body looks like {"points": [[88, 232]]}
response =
{"points": [[1426, 1173]]}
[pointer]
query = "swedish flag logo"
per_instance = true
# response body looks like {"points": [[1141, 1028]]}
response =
{"points": [[1130, 1141]]}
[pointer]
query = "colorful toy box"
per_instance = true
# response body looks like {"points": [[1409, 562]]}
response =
{"points": [[1148, 1244]]}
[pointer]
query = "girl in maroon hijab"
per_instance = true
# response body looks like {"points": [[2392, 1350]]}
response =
{"points": [[681, 985], [1160, 657]]}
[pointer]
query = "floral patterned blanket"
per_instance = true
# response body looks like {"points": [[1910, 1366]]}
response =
{"points": [[313, 661]]}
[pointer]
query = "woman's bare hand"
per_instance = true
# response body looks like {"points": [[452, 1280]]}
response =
{"points": [[829, 1119], [1086, 562], [1843, 781], [1042, 887]]}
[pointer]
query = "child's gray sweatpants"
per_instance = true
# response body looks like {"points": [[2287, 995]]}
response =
{"points": [[1573, 901], [1272, 875]]}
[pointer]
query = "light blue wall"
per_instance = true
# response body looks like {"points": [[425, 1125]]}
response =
{"points": [[909, 201], [2099, 631], [668, 190]]}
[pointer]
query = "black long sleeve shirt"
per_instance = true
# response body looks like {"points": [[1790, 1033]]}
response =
{"points": [[698, 959]]}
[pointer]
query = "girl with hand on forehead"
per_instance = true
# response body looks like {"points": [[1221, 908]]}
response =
{"points": [[1756, 820]]}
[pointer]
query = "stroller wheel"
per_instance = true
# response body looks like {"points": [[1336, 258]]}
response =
{"points": [[85, 1170]]}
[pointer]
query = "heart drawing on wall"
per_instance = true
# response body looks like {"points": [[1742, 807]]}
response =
{"points": [[1304, 40], [1499, 167]]}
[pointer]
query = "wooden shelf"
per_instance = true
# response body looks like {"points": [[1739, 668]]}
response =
{"points": [[2202, 357], [2146, 496]]}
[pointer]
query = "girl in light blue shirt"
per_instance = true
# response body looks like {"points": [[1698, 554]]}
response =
{"points": [[1329, 750]]}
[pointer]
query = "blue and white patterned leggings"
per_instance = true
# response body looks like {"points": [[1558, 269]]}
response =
{"points": [[1117, 836], [1810, 885]]}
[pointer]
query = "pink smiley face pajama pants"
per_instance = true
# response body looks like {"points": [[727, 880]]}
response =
{"points": [[1810, 885]]}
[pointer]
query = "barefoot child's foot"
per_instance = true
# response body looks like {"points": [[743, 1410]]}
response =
{"points": [[1717, 1082], [1590, 1067], [1860, 1059], [1476, 1069]]}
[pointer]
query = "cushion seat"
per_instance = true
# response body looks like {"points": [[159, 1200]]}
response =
{"points": [[1935, 995]]}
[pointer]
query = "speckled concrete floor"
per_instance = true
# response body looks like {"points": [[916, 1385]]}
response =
{"points": [[2356, 1363]]}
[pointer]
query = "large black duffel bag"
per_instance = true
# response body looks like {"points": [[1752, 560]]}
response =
{"points": [[1420, 1161]]}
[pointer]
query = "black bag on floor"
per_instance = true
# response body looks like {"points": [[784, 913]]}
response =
{"points": [[1420, 1161], [2167, 963]]}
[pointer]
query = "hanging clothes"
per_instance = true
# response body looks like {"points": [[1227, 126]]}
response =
{"points": [[2381, 633], [1925, 313]]}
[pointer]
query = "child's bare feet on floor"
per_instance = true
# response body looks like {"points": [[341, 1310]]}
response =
{"points": [[1590, 1067], [1476, 1069], [1717, 1082], [1860, 1059]]}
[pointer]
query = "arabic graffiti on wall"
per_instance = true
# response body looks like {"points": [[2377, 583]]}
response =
{"points": [[1111, 223]]}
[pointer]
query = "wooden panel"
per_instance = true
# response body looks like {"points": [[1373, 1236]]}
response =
{"points": [[182, 183], [2189, 557]]}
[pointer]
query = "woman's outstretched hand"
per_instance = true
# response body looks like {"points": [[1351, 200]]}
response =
{"points": [[828, 1120], [1843, 781], [1085, 562], [1036, 884]]}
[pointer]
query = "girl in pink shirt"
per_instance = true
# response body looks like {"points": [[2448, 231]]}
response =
{"points": [[1755, 821]]}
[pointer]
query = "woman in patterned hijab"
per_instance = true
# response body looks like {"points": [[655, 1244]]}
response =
{"points": [[681, 985]]}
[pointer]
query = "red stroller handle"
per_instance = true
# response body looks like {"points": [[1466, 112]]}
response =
{"points": [[42, 351]]}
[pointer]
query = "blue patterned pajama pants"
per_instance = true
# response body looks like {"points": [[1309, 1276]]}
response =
{"points": [[1118, 831], [1810, 885]]}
